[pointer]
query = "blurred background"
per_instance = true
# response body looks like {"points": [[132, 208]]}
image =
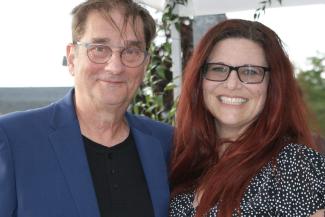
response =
{"points": [[35, 33]]}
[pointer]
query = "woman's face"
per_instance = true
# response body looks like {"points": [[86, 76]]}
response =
{"points": [[234, 104]]}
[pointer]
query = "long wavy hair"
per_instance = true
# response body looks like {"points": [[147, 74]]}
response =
{"points": [[195, 163]]}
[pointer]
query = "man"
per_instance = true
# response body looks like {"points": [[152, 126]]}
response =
{"points": [[85, 156]]}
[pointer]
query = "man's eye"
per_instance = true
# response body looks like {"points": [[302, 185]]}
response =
{"points": [[100, 48], [132, 51]]}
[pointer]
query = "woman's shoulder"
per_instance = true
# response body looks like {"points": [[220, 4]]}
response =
{"points": [[294, 148], [293, 184], [181, 204], [299, 179], [298, 156]]}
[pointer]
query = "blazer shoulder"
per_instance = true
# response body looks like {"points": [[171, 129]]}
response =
{"points": [[156, 128], [29, 116], [162, 132], [40, 114]]}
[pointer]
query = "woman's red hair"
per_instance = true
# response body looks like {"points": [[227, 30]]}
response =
{"points": [[195, 163]]}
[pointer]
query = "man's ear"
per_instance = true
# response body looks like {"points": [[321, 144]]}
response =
{"points": [[70, 52]]}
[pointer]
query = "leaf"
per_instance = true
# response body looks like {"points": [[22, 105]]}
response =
{"points": [[169, 86]]}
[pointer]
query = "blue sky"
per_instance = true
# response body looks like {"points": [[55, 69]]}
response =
{"points": [[34, 35]]}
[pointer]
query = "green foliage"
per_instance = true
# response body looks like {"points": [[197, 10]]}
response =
{"points": [[312, 82], [155, 97]]}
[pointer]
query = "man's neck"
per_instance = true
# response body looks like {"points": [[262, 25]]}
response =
{"points": [[106, 127]]}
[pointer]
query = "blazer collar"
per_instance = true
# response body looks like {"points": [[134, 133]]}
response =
{"points": [[68, 145], [153, 163]]}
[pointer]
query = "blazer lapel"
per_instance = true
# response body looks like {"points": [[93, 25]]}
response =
{"points": [[154, 167], [68, 145]]}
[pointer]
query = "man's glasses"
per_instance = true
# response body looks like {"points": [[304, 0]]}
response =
{"points": [[248, 74], [99, 53]]}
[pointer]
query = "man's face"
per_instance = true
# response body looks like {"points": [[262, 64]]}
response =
{"points": [[111, 84]]}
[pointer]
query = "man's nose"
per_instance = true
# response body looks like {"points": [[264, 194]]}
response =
{"points": [[115, 65]]}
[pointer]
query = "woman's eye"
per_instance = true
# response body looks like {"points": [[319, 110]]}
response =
{"points": [[250, 71], [218, 69]]}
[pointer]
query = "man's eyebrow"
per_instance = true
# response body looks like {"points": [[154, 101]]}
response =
{"points": [[101, 40], [135, 43]]}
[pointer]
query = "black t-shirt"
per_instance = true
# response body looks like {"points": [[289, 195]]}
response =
{"points": [[118, 179]]}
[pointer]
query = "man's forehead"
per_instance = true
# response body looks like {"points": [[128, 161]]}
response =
{"points": [[103, 28]]}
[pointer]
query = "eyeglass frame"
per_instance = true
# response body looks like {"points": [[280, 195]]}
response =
{"points": [[236, 69], [87, 45]]}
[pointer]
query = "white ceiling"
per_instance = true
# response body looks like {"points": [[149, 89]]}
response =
{"points": [[206, 7]]}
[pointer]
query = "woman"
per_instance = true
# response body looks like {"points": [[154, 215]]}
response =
{"points": [[242, 144]]}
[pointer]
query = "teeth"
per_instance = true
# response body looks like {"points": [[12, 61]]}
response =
{"points": [[232, 100]]}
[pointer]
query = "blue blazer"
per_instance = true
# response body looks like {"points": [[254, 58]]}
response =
{"points": [[44, 169]]}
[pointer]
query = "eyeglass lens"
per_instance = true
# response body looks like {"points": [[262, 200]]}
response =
{"points": [[246, 74], [130, 56]]}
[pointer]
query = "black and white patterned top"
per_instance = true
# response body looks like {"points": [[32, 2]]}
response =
{"points": [[297, 188]]}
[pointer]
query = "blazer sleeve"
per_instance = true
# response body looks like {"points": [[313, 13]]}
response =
{"points": [[8, 201]]}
